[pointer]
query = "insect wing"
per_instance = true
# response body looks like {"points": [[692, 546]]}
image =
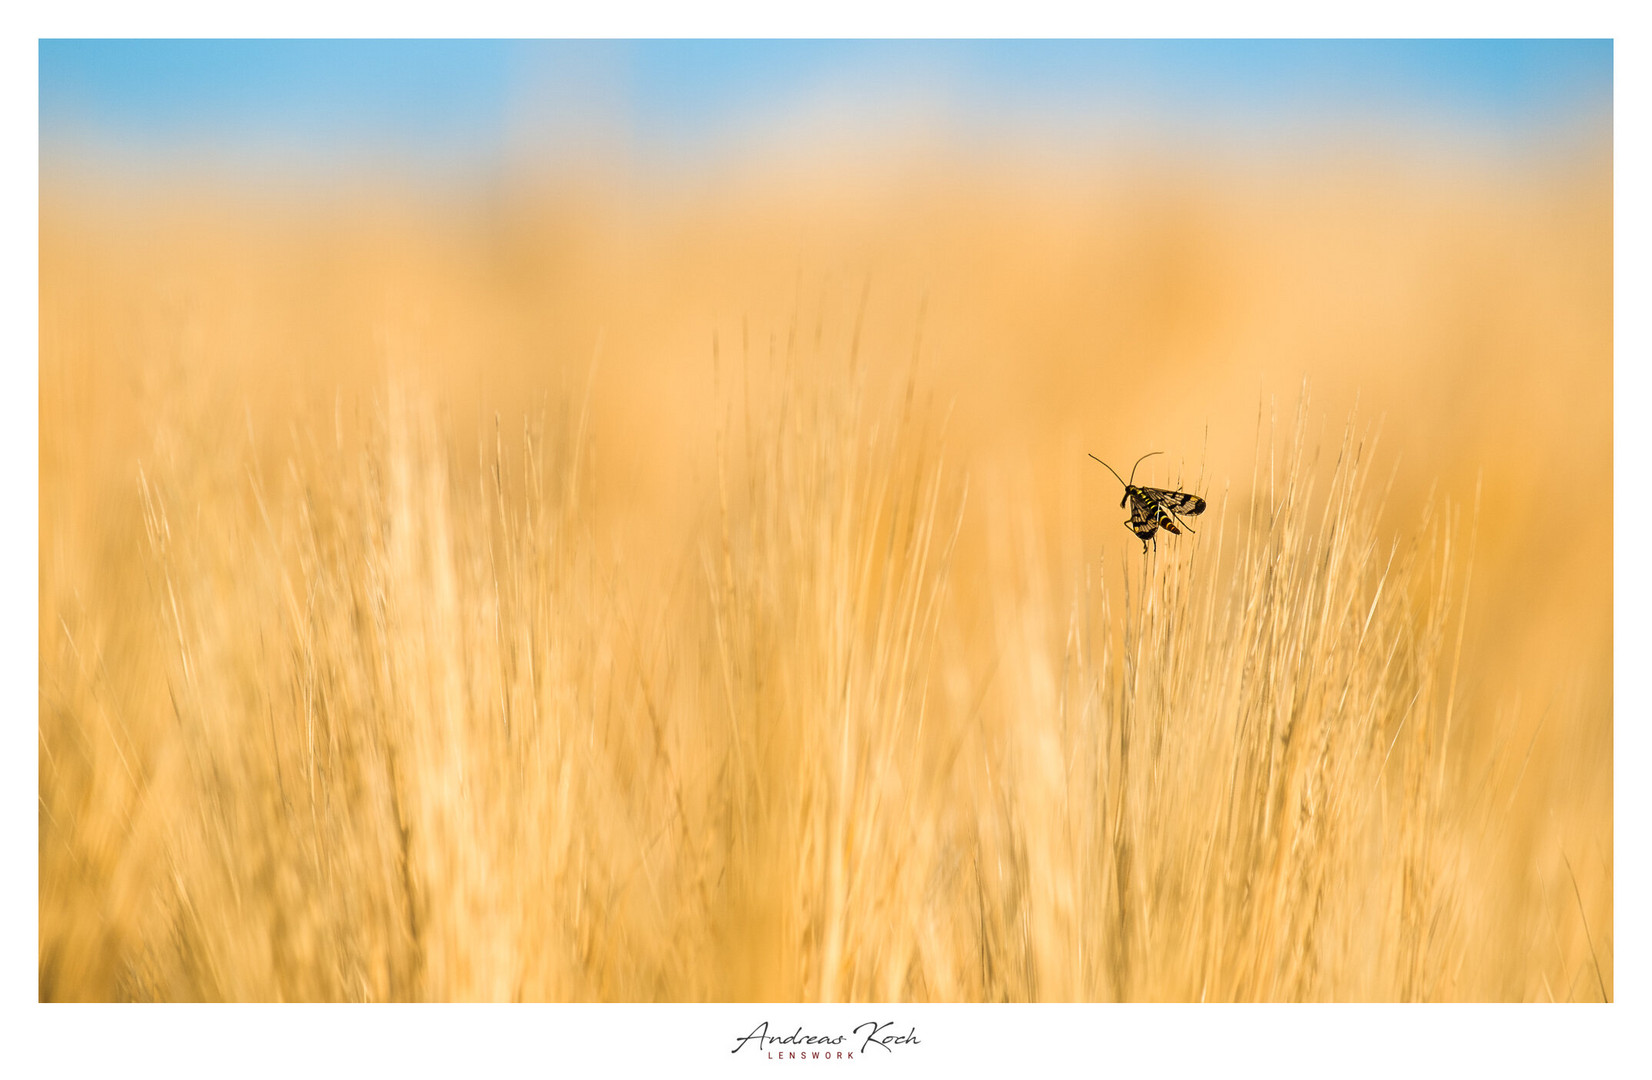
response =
{"points": [[1177, 502], [1143, 521], [1150, 510]]}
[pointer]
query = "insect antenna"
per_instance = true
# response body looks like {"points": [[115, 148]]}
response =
{"points": [[1110, 469], [1139, 460]]}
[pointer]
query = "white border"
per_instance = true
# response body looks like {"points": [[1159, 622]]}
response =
{"points": [[692, 1040], [842, 18]]}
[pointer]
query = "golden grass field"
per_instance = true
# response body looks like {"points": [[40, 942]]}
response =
{"points": [[596, 590]]}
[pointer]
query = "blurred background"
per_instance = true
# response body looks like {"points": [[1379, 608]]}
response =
{"points": [[1077, 247]]}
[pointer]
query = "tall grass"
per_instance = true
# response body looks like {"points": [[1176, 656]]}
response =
{"points": [[346, 697], [423, 744]]}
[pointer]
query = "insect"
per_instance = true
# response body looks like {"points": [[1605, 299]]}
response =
{"points": [[1152, 509]]}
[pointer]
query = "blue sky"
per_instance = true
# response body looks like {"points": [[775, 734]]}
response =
{"points": [[477, 100]]}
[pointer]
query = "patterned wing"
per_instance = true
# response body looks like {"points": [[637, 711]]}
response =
{"points": [[1143, 521], [1178, 502], [1150, 510]]}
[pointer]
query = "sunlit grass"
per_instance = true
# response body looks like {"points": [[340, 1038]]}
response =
{"points": [[354, 687]]}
